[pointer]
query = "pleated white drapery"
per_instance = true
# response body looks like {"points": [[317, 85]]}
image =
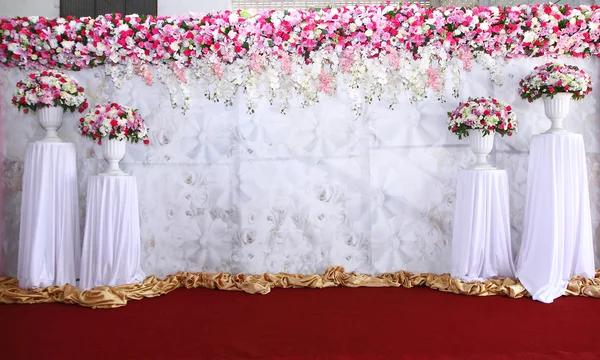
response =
{"points": [[111, 245], [481, 244], [557, 230], [49, 241]]}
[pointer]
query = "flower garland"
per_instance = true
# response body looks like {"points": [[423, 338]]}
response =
{"points": [[487, 114], [49, 88], [113, 121], [552, 78], [377, 50]]}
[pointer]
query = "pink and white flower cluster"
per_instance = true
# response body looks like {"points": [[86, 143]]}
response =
{"points": [[377, 49], [75, 43], [113, 121], [49, 88], [553, 78], [487, 114]]}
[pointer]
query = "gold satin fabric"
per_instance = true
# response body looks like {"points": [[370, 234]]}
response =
{"points": [[112, 297]]}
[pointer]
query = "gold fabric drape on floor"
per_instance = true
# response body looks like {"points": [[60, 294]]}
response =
{"points": [[111, 297]]}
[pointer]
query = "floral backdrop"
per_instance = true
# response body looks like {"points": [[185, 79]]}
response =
{"points": [[380, 51], [224, 190], [270, 149]]}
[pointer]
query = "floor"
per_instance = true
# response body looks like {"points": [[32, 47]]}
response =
{"points": [[334, 323]]}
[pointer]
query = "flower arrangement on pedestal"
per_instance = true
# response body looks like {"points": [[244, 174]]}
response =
{"points": [[49, 93], [479, 119], [554, 78], [556, 84], [116, 124]]}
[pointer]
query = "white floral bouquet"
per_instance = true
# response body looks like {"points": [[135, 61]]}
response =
{"points": [[49, 88], [487, 114], [552, 78], [113, 121]]}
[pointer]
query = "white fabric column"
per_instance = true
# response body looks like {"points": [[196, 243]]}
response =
{"points": [[481, 246], [557, 231], [111, 243], [49, 240]]}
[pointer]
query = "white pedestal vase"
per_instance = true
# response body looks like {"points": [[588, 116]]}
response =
{"points": [[113, 151], [50, 119], [557, 109], [481, 146]]}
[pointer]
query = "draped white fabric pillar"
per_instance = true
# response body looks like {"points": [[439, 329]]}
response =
{"points": [[111, 245], [557, 230], [481, 245], [49, 241]]}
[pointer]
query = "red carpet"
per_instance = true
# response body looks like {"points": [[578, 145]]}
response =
{"points": [[337, 323]]}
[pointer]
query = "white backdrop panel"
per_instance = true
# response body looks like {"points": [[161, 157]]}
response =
{"points": [[221, 190]]}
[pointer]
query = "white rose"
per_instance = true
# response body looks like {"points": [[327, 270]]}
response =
{"points": [[67, 44], [12, 47], [60, 29], [529, 37]]}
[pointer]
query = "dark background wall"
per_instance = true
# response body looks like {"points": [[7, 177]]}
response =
{"points": [[93, 8]]}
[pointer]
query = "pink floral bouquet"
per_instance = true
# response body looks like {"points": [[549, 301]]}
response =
{"points": [[49, 88], [113, 121], [552, 78], [487, 114]]}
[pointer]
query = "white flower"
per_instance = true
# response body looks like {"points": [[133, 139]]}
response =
{"points": [[67, 44], [174, 46]]}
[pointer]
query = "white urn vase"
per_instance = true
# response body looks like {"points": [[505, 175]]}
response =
{"points": [[50, 119], [557, 109], [113, 151], [481, 146]]}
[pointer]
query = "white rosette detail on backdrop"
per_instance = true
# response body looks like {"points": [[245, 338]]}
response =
{"points": [[480, 119], [49, 94], [112, 125], [556, 84]]}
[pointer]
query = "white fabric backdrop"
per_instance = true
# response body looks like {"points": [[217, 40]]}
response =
{"points": [[221, 190]]}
